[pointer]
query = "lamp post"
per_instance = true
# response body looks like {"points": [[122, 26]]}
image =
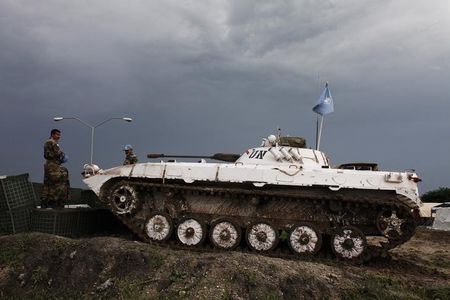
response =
{"points": [[92, 127]]}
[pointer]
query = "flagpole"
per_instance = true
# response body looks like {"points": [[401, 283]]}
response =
{"points": [[317, 130], [320, 133]]}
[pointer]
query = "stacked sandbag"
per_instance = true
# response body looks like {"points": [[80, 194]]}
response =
{"points": [[442, 219], [70, 222], [79, 217], [17, 200]]}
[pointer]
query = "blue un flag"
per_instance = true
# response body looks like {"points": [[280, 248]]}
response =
{"points": [[325, 104]]}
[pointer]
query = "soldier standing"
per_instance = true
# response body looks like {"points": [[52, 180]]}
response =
{"points": [[130, 157], [55, 190]]}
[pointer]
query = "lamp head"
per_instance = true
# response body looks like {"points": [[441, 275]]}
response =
{"points": [[56, 119], [127, 119]]}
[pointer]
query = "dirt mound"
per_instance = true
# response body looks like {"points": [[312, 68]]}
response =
{"points": [[46, 266]]}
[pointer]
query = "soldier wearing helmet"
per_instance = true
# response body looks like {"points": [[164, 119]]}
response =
{"points": [[130, 157]]}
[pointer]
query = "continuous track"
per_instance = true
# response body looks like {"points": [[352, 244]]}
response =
{"points": [[341, 218]]}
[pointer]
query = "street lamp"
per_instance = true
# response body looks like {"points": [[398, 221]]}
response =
{"points": [[126, 119]]}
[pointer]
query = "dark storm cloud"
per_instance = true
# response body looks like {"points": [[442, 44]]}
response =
{"points": [[217, 76]]}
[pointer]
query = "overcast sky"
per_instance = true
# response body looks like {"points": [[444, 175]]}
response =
{"points": [[201, 77]]}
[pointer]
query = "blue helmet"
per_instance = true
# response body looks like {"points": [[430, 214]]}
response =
{"points": [[127, 147]]}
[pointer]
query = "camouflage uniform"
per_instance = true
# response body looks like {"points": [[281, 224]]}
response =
{"points": [[55, 191], [130, 159]]}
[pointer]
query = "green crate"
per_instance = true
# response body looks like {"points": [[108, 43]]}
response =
{"points": [[15, 220], [66, 222], [16, 191]]}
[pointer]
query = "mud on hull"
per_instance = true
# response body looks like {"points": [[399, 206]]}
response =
{"points": [[228, 216]]}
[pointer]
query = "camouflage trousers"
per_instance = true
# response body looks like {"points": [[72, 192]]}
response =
{"points": [[55, 190]]}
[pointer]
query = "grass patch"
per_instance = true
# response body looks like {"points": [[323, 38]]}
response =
{"points": [[284, 235], [177, 276], [271, 295], [156, 258], [437, 292], [60, 245], [226, 295], [130, 288], [440, 262], [39, 276], [40, 294], [13, 253], [385, 288], [248, 276]]}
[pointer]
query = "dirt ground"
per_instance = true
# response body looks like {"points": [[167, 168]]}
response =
{"points": [[42, 266]]}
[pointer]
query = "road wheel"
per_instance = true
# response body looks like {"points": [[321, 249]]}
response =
{"points": [[224, 234], [191, 232], [304, 239], [159, 227], [348, 243], [261, 237]]}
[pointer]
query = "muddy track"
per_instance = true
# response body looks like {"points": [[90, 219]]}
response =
{"points": [[328, 212]]}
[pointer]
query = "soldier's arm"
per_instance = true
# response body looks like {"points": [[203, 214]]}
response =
{"points": [[57, 151], [52, 151]]}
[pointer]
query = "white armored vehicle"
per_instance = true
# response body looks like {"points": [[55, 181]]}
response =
{"points": [[278, 189]]}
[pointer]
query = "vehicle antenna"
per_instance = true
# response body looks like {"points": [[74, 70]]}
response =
{"points": [[279, 134]]}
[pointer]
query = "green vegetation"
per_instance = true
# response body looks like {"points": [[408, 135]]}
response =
{"points": [[386, 288], [442, 292], [440, 195], [284, 235], [39, 276], [61, 245], [247, 276], [14, 253], [40, 294], [226, 295], [177, 276], [41, 266], [271, 295], [156, 259], [130, 288], [440, 262]]}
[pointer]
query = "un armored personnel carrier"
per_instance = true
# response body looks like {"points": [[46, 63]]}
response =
{"points": [[278, 189]]}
